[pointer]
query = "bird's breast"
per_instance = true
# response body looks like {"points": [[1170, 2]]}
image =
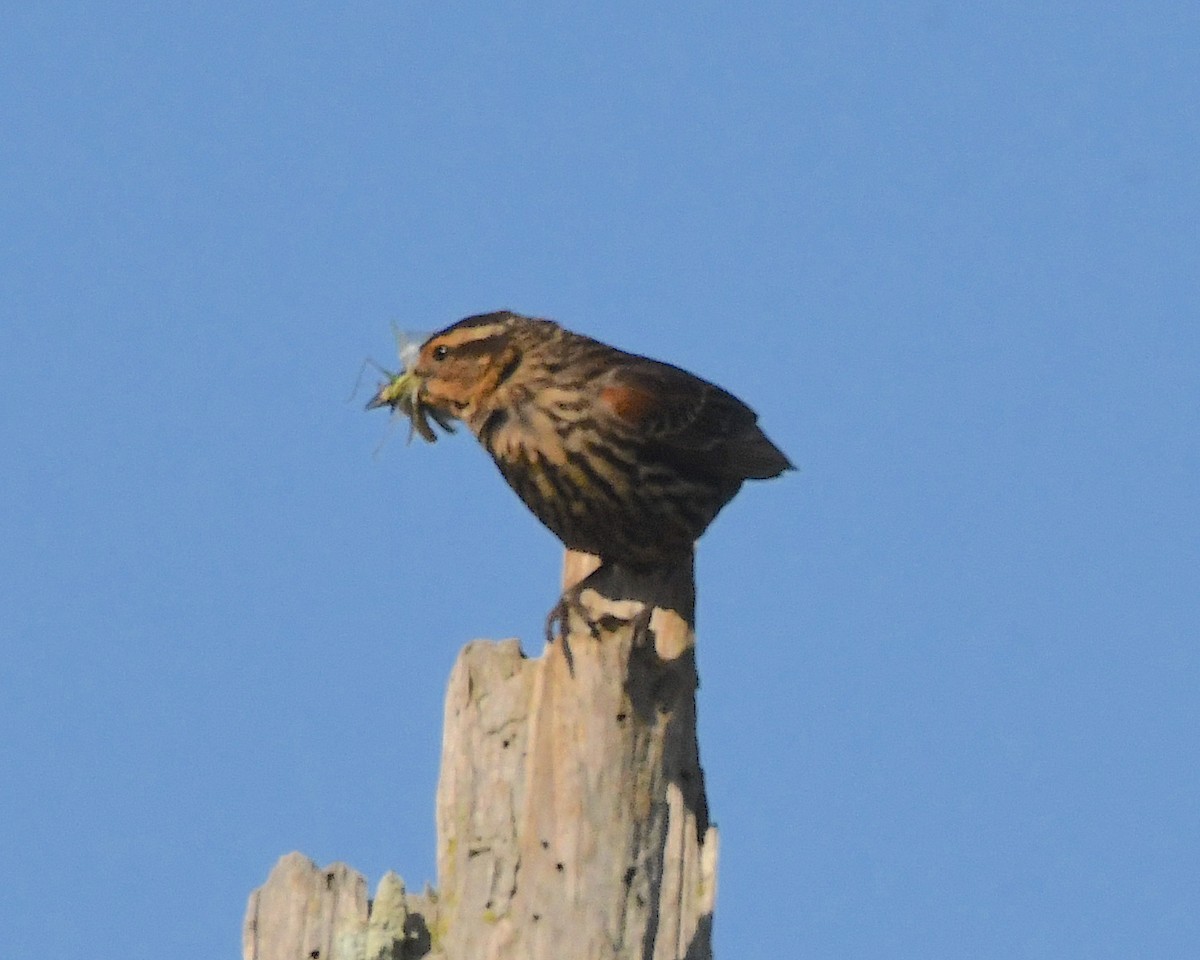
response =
{"points": [[523, 433]]}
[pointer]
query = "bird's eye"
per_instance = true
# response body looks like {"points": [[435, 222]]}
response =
{"points": [[441, 352]]}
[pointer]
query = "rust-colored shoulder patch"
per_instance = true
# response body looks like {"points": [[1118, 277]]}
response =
{"points": [[629, 403]]}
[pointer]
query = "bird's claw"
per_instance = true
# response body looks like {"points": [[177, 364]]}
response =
{"points": [[556, 621]]}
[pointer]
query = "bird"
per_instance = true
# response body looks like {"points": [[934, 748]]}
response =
{"points": [[618, 455]]}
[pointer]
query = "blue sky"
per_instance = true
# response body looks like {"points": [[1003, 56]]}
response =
{"points": [[948, 669]]}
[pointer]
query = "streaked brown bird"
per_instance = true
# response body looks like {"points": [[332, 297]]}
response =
{"points": [[619, 455]]}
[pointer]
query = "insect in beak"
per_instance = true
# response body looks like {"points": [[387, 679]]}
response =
{"points": [[404, 393]]}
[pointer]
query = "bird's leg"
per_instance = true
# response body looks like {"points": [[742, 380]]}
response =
{"points": [[557, 626], [641, 625], [557, 621], [613, 582]]}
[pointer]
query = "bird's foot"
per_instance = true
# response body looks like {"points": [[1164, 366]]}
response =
{"points": [[557, 619], [558, 625]]}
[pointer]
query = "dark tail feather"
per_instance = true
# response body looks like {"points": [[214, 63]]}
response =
{"points": [[754, 457]]}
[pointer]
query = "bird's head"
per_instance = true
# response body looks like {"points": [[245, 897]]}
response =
{"points": [[455, 371]]}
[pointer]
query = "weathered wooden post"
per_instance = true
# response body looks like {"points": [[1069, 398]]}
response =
{"points": [[571, 814]]}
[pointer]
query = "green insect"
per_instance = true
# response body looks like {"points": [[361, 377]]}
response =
{"points": [[402, 392]]}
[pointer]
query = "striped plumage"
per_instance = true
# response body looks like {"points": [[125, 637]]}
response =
{"points": [[618, 455]]}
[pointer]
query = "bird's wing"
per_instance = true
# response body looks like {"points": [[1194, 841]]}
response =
{"points": [[690, 417]]}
